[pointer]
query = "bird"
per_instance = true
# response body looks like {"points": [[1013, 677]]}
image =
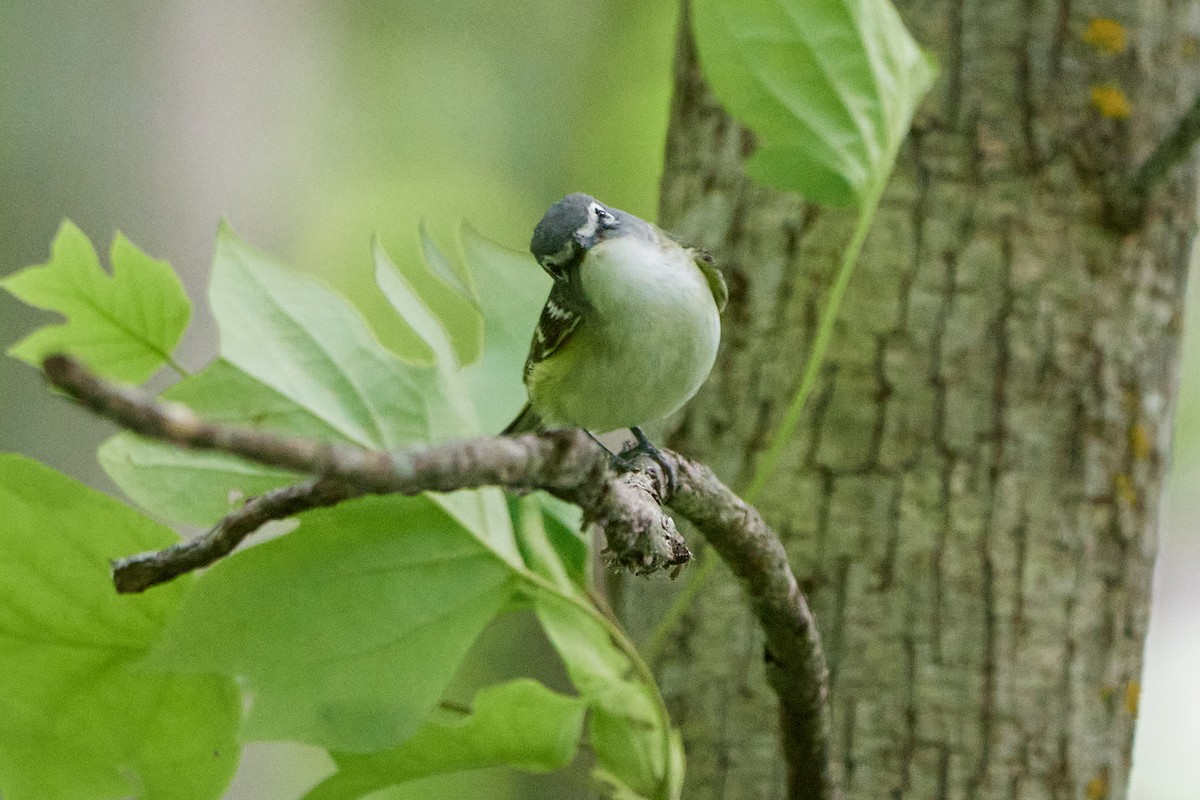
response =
{"points": [[630, 329]]}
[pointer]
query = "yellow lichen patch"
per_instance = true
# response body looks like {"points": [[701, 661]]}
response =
{"points": [[1106, 35], [1109, 100], [1124, 489], [1097, 788], [1139, 442], [1133, 693]]}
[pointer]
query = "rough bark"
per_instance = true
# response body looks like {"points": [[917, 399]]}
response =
{"points": [[972, 500]]}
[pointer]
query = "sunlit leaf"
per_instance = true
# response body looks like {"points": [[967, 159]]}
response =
{"points": [[828, 86], [346, 630], [301, 361], [298, 337], [124, 325], [512, 290], [632, 741], [197, 487], [433, 332], [519, 724], [452, 298], [80, 719], [549, 548]]}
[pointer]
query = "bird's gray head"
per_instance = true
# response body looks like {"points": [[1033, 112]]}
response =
{"points": [[571, 226]]}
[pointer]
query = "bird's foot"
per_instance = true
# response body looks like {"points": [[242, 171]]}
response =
{"points": [[644, 447]]}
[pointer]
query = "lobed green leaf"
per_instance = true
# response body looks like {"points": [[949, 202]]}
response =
{"points": [[124, 325], [296, 336], [300, 360]]}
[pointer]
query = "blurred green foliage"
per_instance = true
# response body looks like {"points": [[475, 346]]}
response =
{"points": [[311, 126], [81, 719]]}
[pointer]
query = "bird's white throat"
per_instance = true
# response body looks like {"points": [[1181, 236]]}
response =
{"points": [[632, 275]]}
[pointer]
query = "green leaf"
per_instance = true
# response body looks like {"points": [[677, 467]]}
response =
{"points": [[301, 339], [300, 360], [447, 291], [346, 630], [199, 488], [513, 290], [428, 334], [80, 719], [549, 548], [629, 758], [446, 270], [563, 524], [828, 86], [431, 331], [520, 724], [628, 729], [124, 325]]}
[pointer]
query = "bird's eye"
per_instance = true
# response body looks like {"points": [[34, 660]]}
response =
{"points": [[604, 219]]}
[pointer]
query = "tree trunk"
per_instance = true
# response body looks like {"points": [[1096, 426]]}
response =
{"points": [[971, 502]]}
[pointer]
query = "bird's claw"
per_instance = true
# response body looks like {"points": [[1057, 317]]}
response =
{"points": [[624, 460]]}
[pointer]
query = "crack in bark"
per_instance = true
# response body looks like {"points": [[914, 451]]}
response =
{"points": [[956, 54], [996, 466], [1062, 32], [887, 566], [1020, 535]]}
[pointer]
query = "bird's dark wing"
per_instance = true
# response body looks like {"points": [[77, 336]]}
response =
{"points": [[712, 273], [561, 314], [714, 276]]}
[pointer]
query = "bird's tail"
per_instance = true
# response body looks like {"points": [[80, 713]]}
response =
{"points": [[527, 421]]}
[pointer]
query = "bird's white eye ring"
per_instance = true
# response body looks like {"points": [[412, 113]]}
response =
{"points": [[600, 212]]}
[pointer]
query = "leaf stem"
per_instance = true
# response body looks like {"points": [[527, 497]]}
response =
{"points": [[175, 365], [617, 634], [766, 466], [816, 357]]}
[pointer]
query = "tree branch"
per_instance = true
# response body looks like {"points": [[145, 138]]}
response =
{"points": [[641, 537], [139, 572], [795, 660], [567, 464]]}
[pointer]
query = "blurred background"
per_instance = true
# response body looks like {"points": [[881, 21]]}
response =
{"points": [[312, 125]]}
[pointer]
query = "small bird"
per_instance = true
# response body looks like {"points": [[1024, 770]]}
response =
{"points": [[630, 329]]}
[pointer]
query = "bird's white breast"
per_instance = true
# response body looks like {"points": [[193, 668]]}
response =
{"points": [[646, 345]]}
